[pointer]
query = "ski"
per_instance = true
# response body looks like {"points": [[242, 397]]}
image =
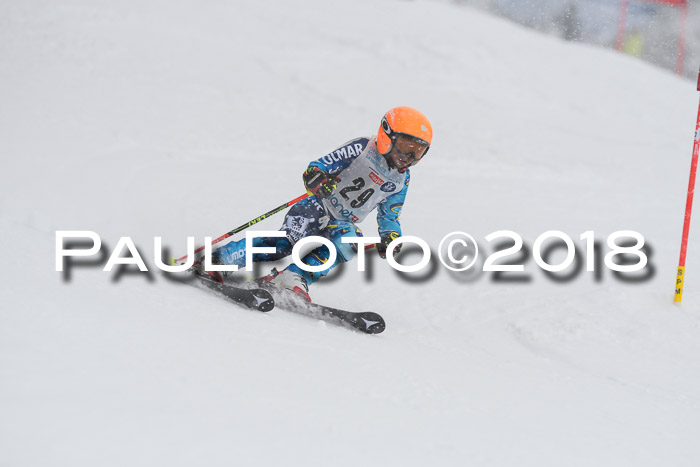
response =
{"points": [[265, 299], [367, 322], [256, 298]]}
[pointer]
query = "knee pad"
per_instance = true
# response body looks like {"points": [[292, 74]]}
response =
{"points": [[231, 253], [235, 252]]}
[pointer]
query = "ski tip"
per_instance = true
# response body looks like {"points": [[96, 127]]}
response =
{"points": [[373, 323], [265, 301]]}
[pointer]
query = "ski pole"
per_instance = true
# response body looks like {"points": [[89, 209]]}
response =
{"points": [[245, 226], [680, 275]]}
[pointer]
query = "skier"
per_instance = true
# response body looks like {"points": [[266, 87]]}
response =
{"points": [[344, 187]]}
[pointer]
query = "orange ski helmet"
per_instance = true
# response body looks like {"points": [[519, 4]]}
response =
{"points": [[403, 121]]}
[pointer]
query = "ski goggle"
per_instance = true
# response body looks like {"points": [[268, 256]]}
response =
{"points": [[409, 149]]}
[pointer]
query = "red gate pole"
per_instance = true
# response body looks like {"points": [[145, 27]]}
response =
{"points": [[621, 24], [680, 275], [680, 61]]}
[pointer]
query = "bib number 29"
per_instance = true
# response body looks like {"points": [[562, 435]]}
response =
{"points": [[361, 199]]}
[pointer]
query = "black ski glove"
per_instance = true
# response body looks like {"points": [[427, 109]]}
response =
{"points": [[386, 239], [319, 183]]}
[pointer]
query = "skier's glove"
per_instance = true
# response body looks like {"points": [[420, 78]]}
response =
{"points": [[386, 239], [319, 183]]}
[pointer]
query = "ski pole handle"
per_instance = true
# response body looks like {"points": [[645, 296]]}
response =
{"points": [[240, 228]]}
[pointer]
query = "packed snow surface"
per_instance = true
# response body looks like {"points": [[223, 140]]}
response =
{"points": [[185, 118]]}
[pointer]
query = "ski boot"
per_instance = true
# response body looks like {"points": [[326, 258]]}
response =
{"points": [[286, 280], [213, 275]]}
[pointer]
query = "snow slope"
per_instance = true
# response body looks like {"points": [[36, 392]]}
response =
{"points": [[189, 118]]}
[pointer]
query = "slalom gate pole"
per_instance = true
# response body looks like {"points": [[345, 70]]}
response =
{"points": [[244, 226], [680, 275]]}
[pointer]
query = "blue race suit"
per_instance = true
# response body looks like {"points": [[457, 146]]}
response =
{"points": [[366, 182]]}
